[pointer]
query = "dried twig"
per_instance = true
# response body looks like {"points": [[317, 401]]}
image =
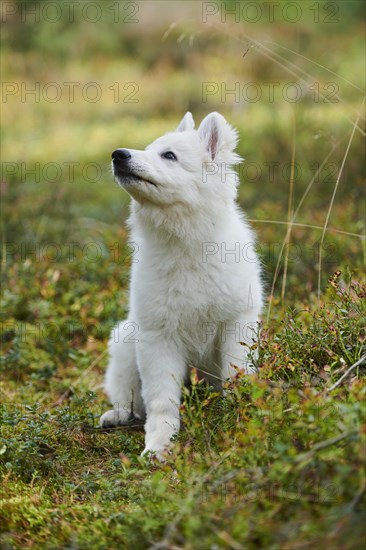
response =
{"points": [[133, 426], [359, 362], [323, 444]]}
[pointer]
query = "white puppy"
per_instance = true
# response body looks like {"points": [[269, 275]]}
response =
{"points": [[196, 292]]}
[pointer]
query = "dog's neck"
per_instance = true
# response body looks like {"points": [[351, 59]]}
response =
{"points": [[178, 224]]}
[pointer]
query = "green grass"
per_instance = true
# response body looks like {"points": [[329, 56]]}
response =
{"points": [[278, 463]]}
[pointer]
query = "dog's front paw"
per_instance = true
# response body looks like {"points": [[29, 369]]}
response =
{"points": [[117, 417], [158, 443], [161, 455]]}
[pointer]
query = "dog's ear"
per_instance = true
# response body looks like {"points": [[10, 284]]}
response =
{"points": [[219, 137], [186, 124]]}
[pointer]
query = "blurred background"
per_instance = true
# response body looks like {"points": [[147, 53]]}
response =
{"points": [[82, 78]]}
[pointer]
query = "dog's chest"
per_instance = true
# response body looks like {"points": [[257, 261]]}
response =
{"points": [[180, 292]]}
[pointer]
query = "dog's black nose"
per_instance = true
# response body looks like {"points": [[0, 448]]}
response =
{"points": [[121, 155]]}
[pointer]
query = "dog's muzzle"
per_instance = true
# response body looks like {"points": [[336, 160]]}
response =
{"points": [[122, 170]]}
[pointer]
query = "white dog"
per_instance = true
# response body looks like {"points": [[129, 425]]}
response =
{"points": [[196, 291]]}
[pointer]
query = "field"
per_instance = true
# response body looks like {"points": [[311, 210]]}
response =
{"points": [[278, 463]]}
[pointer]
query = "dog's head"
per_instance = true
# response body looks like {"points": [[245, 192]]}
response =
{"points": [[187, 166]]}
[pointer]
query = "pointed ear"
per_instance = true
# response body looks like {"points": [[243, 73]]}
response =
{"points": [[186, 124], [219, 138]]}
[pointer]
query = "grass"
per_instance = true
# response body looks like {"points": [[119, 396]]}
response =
{"points": [[278, 463], [246, 469]]}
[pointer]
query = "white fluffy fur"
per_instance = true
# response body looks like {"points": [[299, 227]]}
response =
{"points": [[195, 288]]}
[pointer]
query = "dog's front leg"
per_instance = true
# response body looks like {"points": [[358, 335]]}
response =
{"points": [[162, 369]]}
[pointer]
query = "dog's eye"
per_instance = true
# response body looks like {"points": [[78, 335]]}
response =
{"points": [[169, 155]]}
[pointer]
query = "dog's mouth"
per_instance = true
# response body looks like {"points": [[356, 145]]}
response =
{"points": [[127, 176]]}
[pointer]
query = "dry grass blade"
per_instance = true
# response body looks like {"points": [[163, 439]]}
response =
{"points": [[310, 226], [348, 371], [307, 190], [289, 211], [286, 64], [333, 197]]}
